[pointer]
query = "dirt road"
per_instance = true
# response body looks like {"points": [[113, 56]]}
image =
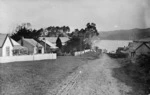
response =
{"points": [[94, 78]]}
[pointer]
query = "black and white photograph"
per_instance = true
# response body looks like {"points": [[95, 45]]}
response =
{"points": [[74, 47]]}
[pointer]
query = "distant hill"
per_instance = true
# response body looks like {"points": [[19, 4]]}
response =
{"points": [[132, 34]]}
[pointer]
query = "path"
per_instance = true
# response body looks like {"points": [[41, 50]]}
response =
{"points": [[94, 78]]}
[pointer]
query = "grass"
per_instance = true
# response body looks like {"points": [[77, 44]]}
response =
{"points": [[37, 77], [126, 76], [34, 78]]}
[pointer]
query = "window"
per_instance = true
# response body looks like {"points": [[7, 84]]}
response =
{"points": [[39, 51], [7, 51]]}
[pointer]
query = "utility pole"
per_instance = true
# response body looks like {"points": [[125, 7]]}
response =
{"points": [[45, 40]]}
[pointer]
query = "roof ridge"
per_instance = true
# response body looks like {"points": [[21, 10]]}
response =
{"points": [[32, 42]]}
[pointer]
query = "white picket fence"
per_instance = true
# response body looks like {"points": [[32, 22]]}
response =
{"points": [[81, 52], [28, 57]]}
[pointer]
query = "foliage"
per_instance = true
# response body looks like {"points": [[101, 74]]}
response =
{"points": [[82, 39], [25, 30], [79, 39], [140, 70], [118, 55], [91, 29], [55, 31], [72, 45], [58, 43], [75, 44], [118, 51], [144, 66]]}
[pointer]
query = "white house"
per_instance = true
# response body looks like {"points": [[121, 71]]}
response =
{"points": [[6, 45]]}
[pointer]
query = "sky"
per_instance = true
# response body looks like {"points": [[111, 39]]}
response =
{"points": [[106, 14]]}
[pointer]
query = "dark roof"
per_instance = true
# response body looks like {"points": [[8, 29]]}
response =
{"points": [[145, 40], [53, 39], [2, 39], [136, 45]]}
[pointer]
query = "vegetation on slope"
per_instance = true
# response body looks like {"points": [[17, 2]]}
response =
{"points": [[131, 34], [135, 73]]}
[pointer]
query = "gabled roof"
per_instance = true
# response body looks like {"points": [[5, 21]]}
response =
{"points": [[50, 44], [3, 38], [32, 42], [14, 42], [53, 39], [145, 40], [17, 45], [136, 45]]}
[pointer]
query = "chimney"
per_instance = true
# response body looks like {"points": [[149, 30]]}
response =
{"points": [[22, 38]]}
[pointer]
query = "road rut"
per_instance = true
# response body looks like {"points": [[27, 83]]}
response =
{"points": [[94, 78]]}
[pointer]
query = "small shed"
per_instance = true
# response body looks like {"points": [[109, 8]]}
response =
{"points": [[33, 46], [138, 47]]}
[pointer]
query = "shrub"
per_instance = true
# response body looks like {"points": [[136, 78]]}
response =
{"points": [[140, 70], [119, 55]]}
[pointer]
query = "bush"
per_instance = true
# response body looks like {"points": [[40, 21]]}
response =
{"points": [[144, 66], [119, 55], [140, 70]]}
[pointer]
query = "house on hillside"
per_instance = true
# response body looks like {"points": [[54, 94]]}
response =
{"points": [[121, 50], [6, 45], [139, 47], [48, 46], [33, 46], [53, 39]]}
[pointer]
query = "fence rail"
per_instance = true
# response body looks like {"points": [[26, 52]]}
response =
{"points": [[81, 52], [27, 58]]}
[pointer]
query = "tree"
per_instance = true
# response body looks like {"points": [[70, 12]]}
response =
{"points": [[58, 43], [55, 31], [72, 45], [24, 30], [21, 31], [91, 31]]}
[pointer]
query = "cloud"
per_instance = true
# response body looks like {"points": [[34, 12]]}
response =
{"points": [[5, 18], [76, 13]]}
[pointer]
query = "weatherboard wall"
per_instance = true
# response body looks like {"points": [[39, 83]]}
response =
{"points": [[0, 51], [7, 44]]}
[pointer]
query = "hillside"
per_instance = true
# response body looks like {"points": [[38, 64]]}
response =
{"points": [[132, 34]]}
